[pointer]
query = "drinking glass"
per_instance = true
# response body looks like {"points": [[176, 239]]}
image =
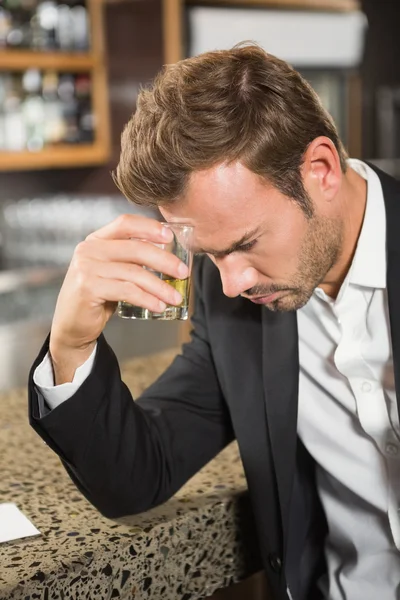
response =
{"points": [[181, 246]]}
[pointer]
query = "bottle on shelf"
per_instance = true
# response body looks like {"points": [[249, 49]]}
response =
{"points": [[48, 22], [54, 128], [5, 26], [86, 124], [80, 24], [40, 109], [65, 31], [33, 110], [14, 124], [47, 25], [2, 115], [16, 32], [66, 92]]}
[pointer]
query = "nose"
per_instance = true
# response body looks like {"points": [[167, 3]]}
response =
{"points": [[236, 277]]}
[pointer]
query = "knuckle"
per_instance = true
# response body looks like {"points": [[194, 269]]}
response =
{"points": [[82, 281], [79, 263], [81, 249], [122, 221]]}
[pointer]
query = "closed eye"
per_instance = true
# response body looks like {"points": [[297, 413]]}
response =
{"points": [[240, 248], [246, 247]]}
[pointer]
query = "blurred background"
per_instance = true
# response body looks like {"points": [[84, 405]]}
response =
{"points": [[70, 71]]}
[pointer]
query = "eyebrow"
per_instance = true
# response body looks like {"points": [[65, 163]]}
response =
{"points": [[232, 248]]}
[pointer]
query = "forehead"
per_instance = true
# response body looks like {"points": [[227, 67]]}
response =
{"points": [[222, 202]]}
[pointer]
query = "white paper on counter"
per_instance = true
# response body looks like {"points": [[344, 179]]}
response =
{"points": [[14, 525]]}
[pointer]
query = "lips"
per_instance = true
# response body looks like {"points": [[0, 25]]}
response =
{"points": [[266, 299]]}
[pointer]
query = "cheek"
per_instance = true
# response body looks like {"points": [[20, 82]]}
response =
{"points": [[279, 256]]}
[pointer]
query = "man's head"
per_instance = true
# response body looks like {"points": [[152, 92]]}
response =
{"points": [[238, 143]]}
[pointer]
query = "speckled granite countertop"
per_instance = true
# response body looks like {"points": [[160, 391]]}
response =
{"points": [[183, 550]]}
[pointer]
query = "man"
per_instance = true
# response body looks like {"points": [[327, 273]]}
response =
{"points": [[296, 317]]}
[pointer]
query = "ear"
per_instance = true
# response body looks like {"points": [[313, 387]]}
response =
{"points": [[322, 172]]}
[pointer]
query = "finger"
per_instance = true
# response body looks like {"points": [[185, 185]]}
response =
{"points": [[115, 290], [142, 278], [133, 252], [131, 226]]}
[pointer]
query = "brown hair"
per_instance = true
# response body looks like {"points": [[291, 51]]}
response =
{"points": [[239, 104]]}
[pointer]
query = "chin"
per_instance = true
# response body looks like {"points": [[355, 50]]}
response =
{"points": [[289, 303]]}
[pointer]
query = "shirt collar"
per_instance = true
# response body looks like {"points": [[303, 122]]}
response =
{"points": [[368, 268]]}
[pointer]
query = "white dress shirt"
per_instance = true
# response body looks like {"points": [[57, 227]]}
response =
{"points": [[347, 415]]}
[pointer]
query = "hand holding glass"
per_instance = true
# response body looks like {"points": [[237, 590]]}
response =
{"points": [[180, 246]]}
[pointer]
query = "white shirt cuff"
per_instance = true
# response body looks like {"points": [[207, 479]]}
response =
{"points": [[57, 394]]}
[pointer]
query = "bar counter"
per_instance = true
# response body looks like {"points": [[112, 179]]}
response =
{"points": [[183, 550]]}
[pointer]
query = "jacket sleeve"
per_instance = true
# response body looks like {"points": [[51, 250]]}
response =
{"points": [[127, 457]]}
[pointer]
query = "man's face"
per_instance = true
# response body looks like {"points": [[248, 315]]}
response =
{"points": [[261, 241]]}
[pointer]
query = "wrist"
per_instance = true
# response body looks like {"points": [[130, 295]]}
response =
{"points": [[67, 359]]}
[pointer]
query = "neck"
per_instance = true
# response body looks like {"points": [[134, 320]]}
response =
{"points": [[353, 201]]}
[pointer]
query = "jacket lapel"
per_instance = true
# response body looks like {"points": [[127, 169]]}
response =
{"points": [[391, 192], [244, 388], [281, 375]]}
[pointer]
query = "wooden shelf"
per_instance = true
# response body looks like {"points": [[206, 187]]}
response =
{"points": [[64, 156], [20, 60], [67, 156], [325, 5]]}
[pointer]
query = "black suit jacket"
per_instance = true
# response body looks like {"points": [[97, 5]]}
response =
{"points": [[238, 378]]}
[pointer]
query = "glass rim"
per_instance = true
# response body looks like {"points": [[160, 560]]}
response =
{"points": [[178, 224]]}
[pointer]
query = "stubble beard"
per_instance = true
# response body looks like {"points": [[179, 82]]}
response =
{"points": [[319, 252]]}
